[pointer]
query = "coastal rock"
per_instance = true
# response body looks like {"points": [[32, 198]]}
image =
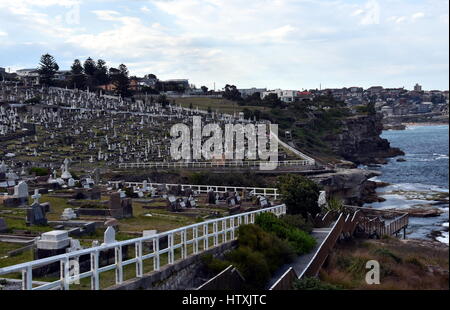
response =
{"points": [[359, 140], [421, 211], [401, 159], [352, 185]]}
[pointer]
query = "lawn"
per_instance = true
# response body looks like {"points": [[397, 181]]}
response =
{"points": [[216, 104]]}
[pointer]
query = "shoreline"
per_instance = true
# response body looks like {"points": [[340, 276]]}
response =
{"points": [[412, 124], [436, 233]]}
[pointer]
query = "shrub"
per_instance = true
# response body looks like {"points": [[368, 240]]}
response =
{"points": [[298, 239], [276, 251], [258, 255], [335, 204], [388, 253], [214, 264], [300, 194], [313, 284], [253, 266], [40, 171], [297, 221]]}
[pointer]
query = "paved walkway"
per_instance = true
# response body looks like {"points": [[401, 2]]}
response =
{"points": [[301, 262]]}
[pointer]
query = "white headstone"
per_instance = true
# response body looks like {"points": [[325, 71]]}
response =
{"points": [[109, 235], [36, 196], [21, 190], [71, 182], [54, 240], [68, 214]]}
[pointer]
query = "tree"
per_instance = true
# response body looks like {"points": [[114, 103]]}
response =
{"points": [[101, 73], [151, 76], [89, 66], [272, 100], [231, 93], [77, 79], [121, 81], [47, 69], [300, 194], [204, 89]]}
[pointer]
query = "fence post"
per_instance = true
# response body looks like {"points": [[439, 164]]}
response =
{"points": [[171, 252], [119, 267], [27, 278], [156, 263], [139, 263], [95, 284], [64, 274]]}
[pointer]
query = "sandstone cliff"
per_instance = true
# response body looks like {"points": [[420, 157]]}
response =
{"points": [[359, 141]]}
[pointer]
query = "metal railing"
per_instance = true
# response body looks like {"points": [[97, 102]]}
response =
{"points": [[214, 164], [324, 249], [311, 161], [286, 281], [202, 189], [196, 236]]}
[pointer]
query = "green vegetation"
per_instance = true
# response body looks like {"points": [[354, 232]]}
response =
{"points": [[298, 221], [334, 204], [258, 256], [40, 171], [263, 248], [409, 265], [216, 104], [246, 179], [300, 194], [299, 240], [310, 284]]}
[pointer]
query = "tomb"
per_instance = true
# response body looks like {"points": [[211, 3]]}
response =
{"points": [[3, 226], [120, 207]]}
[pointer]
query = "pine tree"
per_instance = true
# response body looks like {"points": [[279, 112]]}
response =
{"points": [[121, 80], [78, 79], [47, 69], [101, 73]]}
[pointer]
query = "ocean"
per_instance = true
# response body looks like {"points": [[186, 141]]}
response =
{"points": [[420, 181]]}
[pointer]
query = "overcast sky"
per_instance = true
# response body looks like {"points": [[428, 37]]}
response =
{"points": [[290, 44]]}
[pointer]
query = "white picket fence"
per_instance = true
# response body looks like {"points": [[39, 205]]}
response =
{"points": [[203, 189], [214, 164], [192, 239]]}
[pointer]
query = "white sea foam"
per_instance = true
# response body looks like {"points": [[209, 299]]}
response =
{"points": [[443, 238], [415, 187]]}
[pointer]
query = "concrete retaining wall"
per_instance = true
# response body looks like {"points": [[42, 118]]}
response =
{"points": [[179, 276]]}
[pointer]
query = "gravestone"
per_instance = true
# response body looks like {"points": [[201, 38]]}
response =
{"points": [[71, 182], [21, 192], [211, 197], [120, 207], [3, 226], [54, 240], [50, 244], [68, 214], [191, 202], [231, 202], [74, 246], [172, 202], [36, 215], [109, 236]]}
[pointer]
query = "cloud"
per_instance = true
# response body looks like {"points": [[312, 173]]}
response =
{"points": [[282, 43], [417, 15]]}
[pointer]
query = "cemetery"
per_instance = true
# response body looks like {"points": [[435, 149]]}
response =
{"points": [[61, 186]]}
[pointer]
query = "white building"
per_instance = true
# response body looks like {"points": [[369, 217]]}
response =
{"points": [[29, 76], [283, 95]]}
